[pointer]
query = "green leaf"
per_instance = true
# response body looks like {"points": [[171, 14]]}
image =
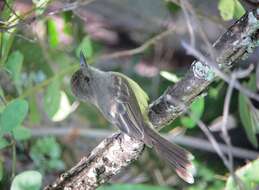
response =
{"points": [[48, 146], [197, 109], [169, 76], [246, 119], [252, 83], [87, 47], [34, 114], [52, 99], [28, 180], [2, 100], [3, 143], [227, 9], [248, 174], [239, 10], [53, 33], [132, 187], [14, 66], [13, 115], [6, 38], [56, 164], [46, 153], [172, 7], [187, 122], [1, 170], [6, 43], [1, 92], [21, 133], [65, 108], [6, 12], [247, 116], [255, 119]]}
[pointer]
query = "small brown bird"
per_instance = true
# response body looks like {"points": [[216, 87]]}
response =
{"points": [[125, 104]]}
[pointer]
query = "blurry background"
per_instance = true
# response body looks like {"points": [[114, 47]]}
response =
{"points": [[45, 129]]}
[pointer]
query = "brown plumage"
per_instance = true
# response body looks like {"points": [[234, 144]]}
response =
{"points": [[116, 97]]}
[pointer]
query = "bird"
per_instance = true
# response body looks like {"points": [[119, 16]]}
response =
{"points": [[125, 105]]}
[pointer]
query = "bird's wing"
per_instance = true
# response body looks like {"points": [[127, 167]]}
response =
{"points": [[140, 94], [125, 109]]}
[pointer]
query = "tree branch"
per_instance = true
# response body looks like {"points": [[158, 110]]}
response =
{"points": [[118, 151], [239, 40]]}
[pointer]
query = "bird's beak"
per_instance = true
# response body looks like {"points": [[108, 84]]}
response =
{"points": [[83, 62]]}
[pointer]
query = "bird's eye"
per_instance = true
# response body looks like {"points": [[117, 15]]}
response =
{"points": [[86, 78]]}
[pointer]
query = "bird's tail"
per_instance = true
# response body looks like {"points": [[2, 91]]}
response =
{"points": [[178, 158]]}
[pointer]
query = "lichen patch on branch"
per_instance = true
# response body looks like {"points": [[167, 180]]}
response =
{"points": [[202, 71], [248, 40]]}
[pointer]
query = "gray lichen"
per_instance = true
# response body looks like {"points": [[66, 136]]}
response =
{"points": [[202, 71], [252, 20], [246, 41]]}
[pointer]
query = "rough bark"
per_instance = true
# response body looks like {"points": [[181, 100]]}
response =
{"points": [[118, 151]]}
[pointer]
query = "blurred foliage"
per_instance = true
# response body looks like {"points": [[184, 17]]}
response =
{"points": [[169, 76], [86, 47], [13, 115], [40, 6], [36, 64], [249, 114], [248, 175], [14, 67], [172, 7], [197, 109], [205, 177], [52, 33], [46, 154], [230, 9], [52, 98], [27, 180], [10, 121]]}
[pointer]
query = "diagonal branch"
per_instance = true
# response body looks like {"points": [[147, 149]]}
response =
{"points": [[118, 151]]}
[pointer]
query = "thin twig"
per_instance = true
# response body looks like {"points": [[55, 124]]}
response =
{"points": [[11, 9], [234, 76], [203, 127], [224, 130], [202, 33], [257, 75], [226, 137], [188, 141], [2, 98], [139, 49], [14, 158], [70, 7], [119, 54], [188, 22]]}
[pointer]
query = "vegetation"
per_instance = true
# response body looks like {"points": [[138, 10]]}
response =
{"points": [[44, 130]]}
